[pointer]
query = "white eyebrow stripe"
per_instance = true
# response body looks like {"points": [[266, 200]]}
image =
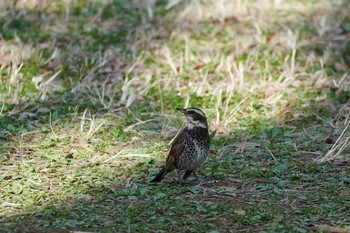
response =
{"points": [[197, 111], [201, 124], [193, 123]]}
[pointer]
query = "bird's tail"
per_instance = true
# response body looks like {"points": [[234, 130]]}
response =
{"points": [[160, 175]]}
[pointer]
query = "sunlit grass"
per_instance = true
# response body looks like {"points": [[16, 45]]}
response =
{"points": [[87, 97]]}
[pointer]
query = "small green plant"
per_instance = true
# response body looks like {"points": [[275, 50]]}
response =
{"points": [[88, 91]]}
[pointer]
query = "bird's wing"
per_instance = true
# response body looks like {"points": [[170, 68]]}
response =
{"points": [[176, 149]]}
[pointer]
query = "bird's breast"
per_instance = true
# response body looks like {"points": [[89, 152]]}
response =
{"points": [[194, 155]]}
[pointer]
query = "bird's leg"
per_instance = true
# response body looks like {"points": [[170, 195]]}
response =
{"points": [[195, 175], [178, 176]]}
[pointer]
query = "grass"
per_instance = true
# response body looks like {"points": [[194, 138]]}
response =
{"points": [[88, 93]]}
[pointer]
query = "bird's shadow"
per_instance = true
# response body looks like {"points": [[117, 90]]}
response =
{"points": [[189, 182]]}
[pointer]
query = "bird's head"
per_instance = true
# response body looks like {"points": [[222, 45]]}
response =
{"points": [[194, 117]]}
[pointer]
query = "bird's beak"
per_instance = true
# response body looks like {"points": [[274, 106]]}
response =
{"points": [[182, 110]]}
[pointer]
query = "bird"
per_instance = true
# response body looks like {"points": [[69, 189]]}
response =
{"points": [[190, 148]]}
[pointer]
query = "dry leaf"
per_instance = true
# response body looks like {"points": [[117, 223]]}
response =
{"points": [[69, 155], [344, 192], [199, 66], [239, 212], [284, 112], [275, 39], [82, 144], [340, 66], [5, 59], [230, 189], [292, 103]]}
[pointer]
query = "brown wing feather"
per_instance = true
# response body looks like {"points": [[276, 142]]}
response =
{"points": [[176, 149]]}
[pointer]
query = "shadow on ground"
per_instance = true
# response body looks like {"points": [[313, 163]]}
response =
{"points": [[265, 181]]}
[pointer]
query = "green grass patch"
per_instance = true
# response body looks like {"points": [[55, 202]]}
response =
{"points": [[88, 92]]}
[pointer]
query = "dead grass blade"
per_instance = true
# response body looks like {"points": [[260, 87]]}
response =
{"points": [[338, 147]]}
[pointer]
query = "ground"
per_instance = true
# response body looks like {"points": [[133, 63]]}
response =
{"points": [[88, 96]]}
